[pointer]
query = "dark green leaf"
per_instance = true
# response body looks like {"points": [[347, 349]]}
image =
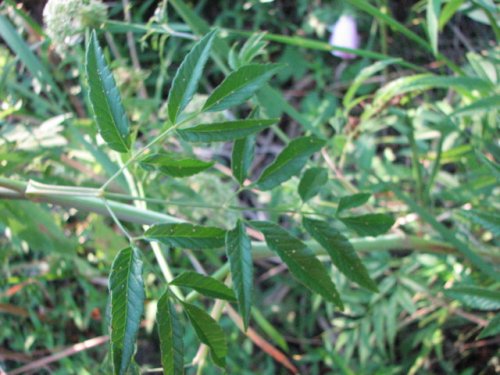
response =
{"points": [[242, 157], [127, 304], [105, 99], [225, 131], [301, 261], [188, 75], [170, 332], [352, 201], [238, 250], [206, 285], [474, 297], [369, 224], [239, 86], [311, 182], [209, 332], [174, 166], [341, 252], [289, 162], [187, 235], [492, 329]]}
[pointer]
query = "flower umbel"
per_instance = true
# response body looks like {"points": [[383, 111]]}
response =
{"points": [[345, 34], [65, 20]]}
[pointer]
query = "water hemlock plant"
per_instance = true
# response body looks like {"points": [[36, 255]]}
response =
{"points": [[280, 207]]}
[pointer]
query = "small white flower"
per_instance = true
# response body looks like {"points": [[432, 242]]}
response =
{"points": [[345, 34], [65, 20]]}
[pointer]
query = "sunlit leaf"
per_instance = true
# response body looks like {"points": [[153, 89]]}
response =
{"points": [[239, 86], [188, 75], [433, 11], [105, 99]]}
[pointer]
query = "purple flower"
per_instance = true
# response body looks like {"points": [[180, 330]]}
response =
{"points": [[345, 34]]}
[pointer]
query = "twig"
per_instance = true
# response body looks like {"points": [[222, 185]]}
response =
{"points": [[72, 350]]}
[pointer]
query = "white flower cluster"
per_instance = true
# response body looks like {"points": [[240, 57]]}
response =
{"points": [[65, 20]]}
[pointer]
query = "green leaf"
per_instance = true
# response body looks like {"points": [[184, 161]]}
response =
{"points": [[474, 297], [492, 329], [127, 304], [170, 332], [488, 221], [209, 332], [433, 10], [352, 201], [422, 82], [448, 11], [225, 131], [311, 182], [206, 285], [301, 261], [173, 166], [289, 162], [447, 234], [242, 157], [363, 75], [369, 224], [269, 329], [105, 100], [238, 250], [239, 86], [341, 252], [188, 75], [186, 235]]}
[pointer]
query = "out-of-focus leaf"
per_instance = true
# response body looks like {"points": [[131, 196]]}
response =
{"points": [[209, 333], [311, 182], [352, 201], [186, 235], [238, 250], [301, 261], [174, 166], [127, 304], [448, 11], [475, 297], [206, 285], [341, 252], [492, 329], [369, 224], [289, 162], [239, 86], [170, 332], [433, 11], [225, 131], [488, 221], [242, 157], [188, 75], [105, 99]]}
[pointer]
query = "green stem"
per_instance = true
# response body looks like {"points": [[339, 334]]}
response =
{"points": [[125, 212]]}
